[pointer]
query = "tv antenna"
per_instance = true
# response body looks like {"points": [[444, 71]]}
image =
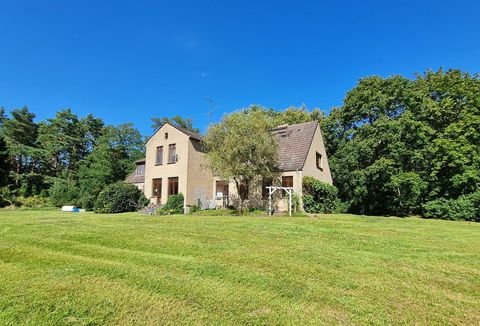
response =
{"points": [[210, 112]]}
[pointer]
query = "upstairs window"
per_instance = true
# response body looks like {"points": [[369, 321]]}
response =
{"points": [[159, 156], [172, 153], [166, 135], [319, 161], [140, 169]]}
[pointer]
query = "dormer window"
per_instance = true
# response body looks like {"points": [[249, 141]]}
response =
{"points": [[319, 161]]}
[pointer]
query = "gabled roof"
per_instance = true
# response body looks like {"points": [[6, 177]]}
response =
{"points": [[294, 143], [187, 132]]}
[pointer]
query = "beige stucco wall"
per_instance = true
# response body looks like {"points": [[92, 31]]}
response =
{"points": [[166, 170], [255, 192], [310, 166], [199, 176]]}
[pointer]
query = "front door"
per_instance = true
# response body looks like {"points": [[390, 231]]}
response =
{"points": [[157, 190]]}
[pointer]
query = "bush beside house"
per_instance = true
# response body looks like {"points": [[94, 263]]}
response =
{"points": [[120, 197], [174, 205], [319, 197]]}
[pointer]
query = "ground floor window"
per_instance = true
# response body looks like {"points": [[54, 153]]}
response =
{"points": [[221, 189], [267, 182], [157, 189], [287, 181], [173, 186]]}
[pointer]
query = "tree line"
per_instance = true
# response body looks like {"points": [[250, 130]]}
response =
{"points": [[400, 146], [68, 154], [397, 146]]}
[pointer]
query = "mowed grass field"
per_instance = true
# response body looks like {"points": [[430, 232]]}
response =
{"points": [[86, 269]]}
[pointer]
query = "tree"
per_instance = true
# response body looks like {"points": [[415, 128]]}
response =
{"points": [[176, 121], [241, 148], [20, 135], [291, 115], [66, 140], [397, 143], [60, 139], [110, 161], [4, 157]]}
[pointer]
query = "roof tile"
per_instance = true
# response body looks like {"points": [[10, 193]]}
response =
{"points": [[293, 144]]}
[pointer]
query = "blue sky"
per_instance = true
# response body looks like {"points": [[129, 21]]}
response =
{"points": [[127, 61]]}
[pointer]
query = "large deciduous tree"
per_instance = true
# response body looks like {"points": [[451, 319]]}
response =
{"points": [[397, 143], [241, 148]]}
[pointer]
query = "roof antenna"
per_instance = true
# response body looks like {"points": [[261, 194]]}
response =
{"points": [[210, 112]]}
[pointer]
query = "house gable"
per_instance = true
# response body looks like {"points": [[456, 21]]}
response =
{"points": [[316, 161], [166, 128]]}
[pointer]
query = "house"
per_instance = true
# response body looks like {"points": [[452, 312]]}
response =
{"points": [[176, 162], [137, 177]]}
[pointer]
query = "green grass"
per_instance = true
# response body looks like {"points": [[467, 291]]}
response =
{"points": [[76, 269]]}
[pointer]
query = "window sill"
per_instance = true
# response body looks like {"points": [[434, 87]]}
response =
{"points": [[157, 164], [171, 162]]}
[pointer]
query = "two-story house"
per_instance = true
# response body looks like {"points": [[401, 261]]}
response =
{"points": [[175, 162]]}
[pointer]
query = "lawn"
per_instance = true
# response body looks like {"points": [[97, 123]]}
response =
{"points": [[61, 268]]}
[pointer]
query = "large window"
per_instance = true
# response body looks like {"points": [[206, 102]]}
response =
{"points": [[159, 157], [172, 153], [140, 169], [172, 186]]}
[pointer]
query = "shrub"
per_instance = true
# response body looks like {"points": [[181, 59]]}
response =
{"points": [[87, 201], [143, 201], [319, 197], [5, 197], [296, 203], [64, 192], [174, 205], [118, 198], [35, 202], [463, 208]]}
